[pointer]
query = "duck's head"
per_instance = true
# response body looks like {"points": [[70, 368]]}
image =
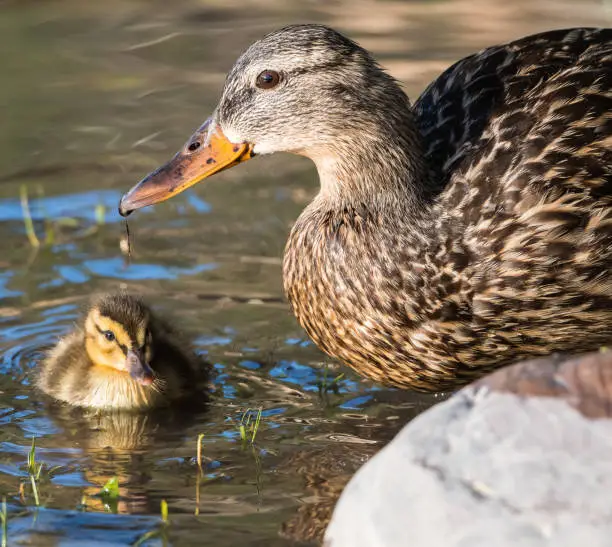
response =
{"points": [[118, 335], [304, 89]]}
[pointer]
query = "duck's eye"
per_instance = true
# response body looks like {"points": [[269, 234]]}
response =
{"points": [[267, 79], [109, 335], [194, 146]]}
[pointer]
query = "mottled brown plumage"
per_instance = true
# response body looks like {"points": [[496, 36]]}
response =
{"points": [[104, 364], [451, 237]]}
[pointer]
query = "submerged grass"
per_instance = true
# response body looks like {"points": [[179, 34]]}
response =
{"points": [[326, 384], [258, 473], [160, 532]]}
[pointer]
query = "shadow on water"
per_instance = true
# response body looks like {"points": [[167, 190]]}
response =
{"points": [[95, 96]]}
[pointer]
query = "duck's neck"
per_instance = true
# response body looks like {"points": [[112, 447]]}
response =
{"points": [[381, 167]]}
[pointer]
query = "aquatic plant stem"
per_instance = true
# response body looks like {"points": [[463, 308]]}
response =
{"points": [[256, 427], [27, 218], [35, 490], [199, 451], [4, 517], [49, 229]]}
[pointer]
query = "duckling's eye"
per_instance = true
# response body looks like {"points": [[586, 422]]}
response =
{"points": [[194, 146], [109, 335], [267, 79]]}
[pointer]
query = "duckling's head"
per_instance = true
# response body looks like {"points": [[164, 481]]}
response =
{"points": [[118, 335], [305, 89]]}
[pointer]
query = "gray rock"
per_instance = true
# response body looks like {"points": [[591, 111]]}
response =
{"points": [[521, 458]]}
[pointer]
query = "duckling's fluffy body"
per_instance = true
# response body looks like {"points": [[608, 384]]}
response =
{"points": [[450, 237], [86, 369]]}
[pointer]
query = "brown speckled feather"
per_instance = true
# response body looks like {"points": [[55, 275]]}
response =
{"points": [[509, 255]]}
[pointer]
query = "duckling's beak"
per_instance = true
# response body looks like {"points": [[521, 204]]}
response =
{"points": [[207, 152], [138, 368]]}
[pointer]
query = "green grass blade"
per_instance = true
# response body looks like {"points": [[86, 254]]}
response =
{"points": [[146, 537], [199, 450], [4, 517], [111, 489], [100, 214], [110, 495], [27, 217], [35, 490], [164, 511], [49, 229], [32, 457], [256, 426]]}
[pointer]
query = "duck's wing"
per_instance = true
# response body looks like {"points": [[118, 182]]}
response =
{"points": [[536, 111], [521, 137]]}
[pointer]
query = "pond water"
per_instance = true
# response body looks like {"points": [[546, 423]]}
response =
{"points": [[92, 98]]}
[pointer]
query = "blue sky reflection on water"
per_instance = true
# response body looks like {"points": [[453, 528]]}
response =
{"points": [[82, 206]]}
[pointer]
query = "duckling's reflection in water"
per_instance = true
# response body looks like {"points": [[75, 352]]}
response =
{"points": [[115, 443]]}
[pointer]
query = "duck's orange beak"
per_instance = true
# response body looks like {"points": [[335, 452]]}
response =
{"points": [[207, 152]]}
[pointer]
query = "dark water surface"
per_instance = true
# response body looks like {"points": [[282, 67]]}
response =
{"points": [[93, 96]]}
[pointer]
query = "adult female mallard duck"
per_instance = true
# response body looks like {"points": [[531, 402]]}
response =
{"points": [[122, 357], [450, 237]]}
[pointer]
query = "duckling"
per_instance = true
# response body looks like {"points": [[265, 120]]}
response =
{"points": [[121, 357]]}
